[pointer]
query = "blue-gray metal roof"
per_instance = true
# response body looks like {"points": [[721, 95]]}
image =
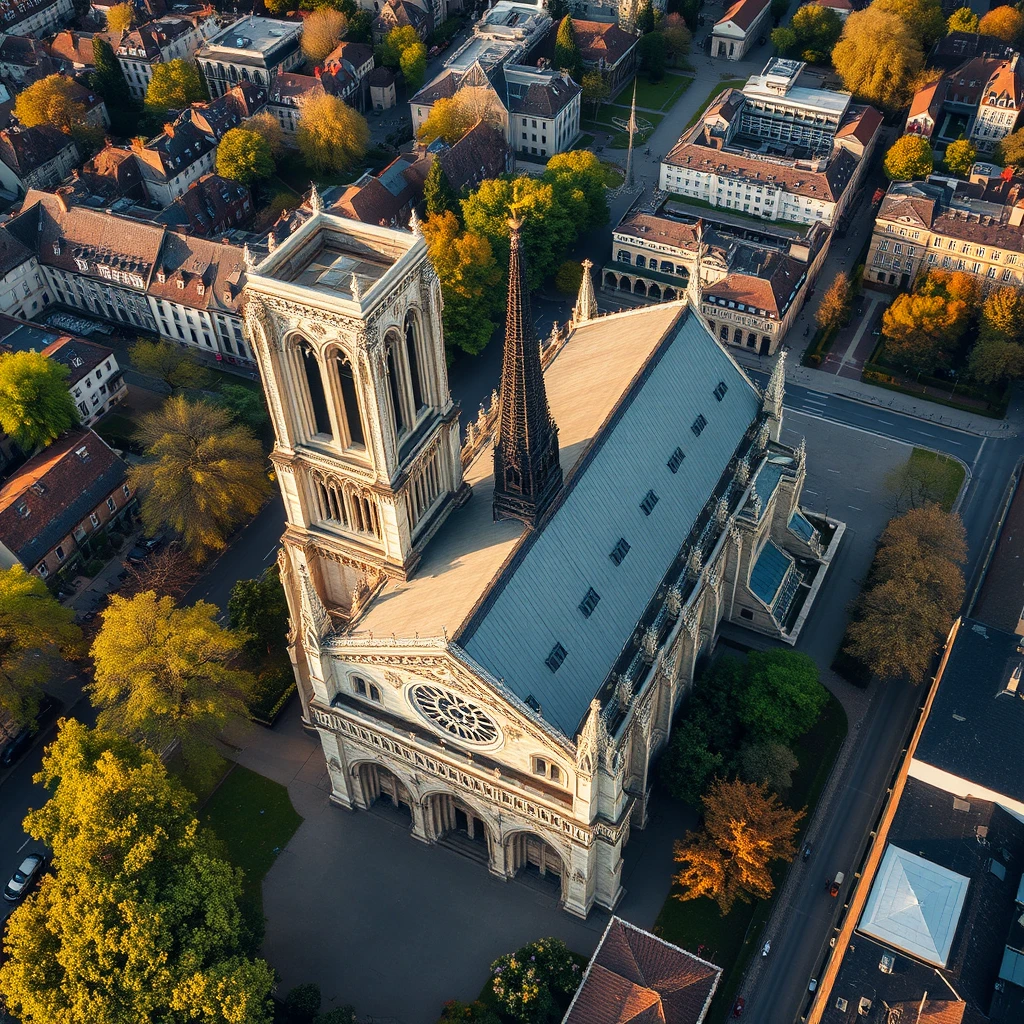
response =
{"points": [[800, 526], [768, 573], [537, 604]]}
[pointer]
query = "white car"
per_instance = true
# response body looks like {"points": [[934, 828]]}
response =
{"points": [[22, 879]]}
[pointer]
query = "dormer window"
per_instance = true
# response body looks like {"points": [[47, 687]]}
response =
{"points": [[161, 276], [56, 248], [181, 283], [201, 288], [21, 507]]}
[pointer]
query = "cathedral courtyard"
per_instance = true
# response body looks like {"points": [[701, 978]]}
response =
{"points": [[395, 926]]}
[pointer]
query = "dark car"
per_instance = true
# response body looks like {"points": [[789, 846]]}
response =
{"points": [[737, 1010], [22, 740], [23, 879], [806, 851], [143, 550]]}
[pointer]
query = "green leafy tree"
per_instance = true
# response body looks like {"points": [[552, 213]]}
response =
{"points": [[174, 86], [108, 78], [783, 696], [878, 57], [994, 361], [678, 38], [595, 89], [745, 829], [331, 136], [779, 9], [395, 43], [1006, 23], [120, 17], [567, 52], [258, 612], [321, 33], [578, 175], [909, 158], [36, 633], [960, 156], [246, 405], [438, 193], [772, 764], [413, 65], [569, 277], [203, 474], [302, 1004], [963, 19], [279, 8], [142, 920], [526, 982], [923, 18], [470, 282], [169, 363], [35, 404], [1002, 316], [244, 156], [998, 354], [688, 765], [785, 40], [653, 55], [1010, 150], [360, 27], [165, 674], [645, 18]]}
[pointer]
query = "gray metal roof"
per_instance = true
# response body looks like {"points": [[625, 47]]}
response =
{"points": [[769, 571], [537, 604]]}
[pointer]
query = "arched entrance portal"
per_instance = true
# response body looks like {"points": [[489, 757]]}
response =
{"points": [[531, 859], [383, 788], [457, 825]]}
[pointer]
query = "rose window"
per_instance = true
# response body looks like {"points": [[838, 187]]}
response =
{"points": [[455, 714]]}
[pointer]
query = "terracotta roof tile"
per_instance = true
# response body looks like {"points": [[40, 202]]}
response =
{"points": [[25, 149], [743, 13]]}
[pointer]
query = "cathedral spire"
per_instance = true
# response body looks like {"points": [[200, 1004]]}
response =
{"points": [[527, 473], [774, 394], [586, 303]]}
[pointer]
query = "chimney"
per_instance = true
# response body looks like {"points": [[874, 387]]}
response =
{"points": [[62, 202]]}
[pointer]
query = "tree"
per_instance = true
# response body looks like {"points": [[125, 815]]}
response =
{"points": [[169, 363], [834, 309], [167, 573], [770, 763], [203, 475], [567, 53], [35, 404], [438, 193], [994, 361], [395, 43], [258, 613], [1002, 316], [525, 982], [36, 633], [784, 39], [678, 38], [878, 58], [645, 18], [331, 136], [108, 78], [449, 119], [1006, 23], [164, 674], [909, 158], [321, 33], [246, 405], [689, 765], [595, 89], [924, 18], [963, 19], [279, 8], [960, 156], [174, 86], [745, 829], [120, 17], [924, 479], [1010, 150], [470, 279], [812, 33], [569, 277], [652, 52], [302, 1004], [142, 920], [360, 27], [783, 696], [454, 1012], [244, 156], [779, 9], [50, 101], [915, 588], [578, 175], [269, 128], [413, 64]]}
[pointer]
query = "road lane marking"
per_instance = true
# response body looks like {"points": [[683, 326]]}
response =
{"points": [[24, 844], [864, 489], [270, 552], [807, 490], [836, 471], [855, 508], [888, 423]]}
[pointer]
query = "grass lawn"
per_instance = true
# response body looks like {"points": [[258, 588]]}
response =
{"points": [[942, 472], [619, 139], [729, 83], [613, 174], [254, 819], [584, 142], [732, 940], [658, 95], [200, 783]]}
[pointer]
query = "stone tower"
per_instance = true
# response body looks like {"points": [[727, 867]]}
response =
{"points": [[527, 473], [345, 321]]}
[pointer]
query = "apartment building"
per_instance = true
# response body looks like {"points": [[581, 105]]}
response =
{"points": [[22, 284], [35, 158], [776, 150], [251, 50], [210, 206], [35, 18]]}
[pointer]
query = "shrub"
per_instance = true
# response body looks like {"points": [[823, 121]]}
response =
{"points": [[525, 982]]}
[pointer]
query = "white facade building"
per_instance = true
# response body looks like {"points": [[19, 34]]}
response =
{"points": [[253, 49]]}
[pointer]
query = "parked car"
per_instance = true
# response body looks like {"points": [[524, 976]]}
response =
{"points": [[143, 550], [24, 878], [834, 886], [22, 739], [737, 1010], [807, 850], [813, 985]]}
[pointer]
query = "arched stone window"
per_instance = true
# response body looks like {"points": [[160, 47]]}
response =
{"points": [[321, 423], [395, 385], [411, 346], [349, 397], [640, 261]]}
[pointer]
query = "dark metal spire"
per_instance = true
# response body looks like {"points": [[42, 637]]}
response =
{"points": [[527, 473]]}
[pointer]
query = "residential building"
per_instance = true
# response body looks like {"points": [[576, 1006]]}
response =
{"points": [[635, 975], [52, 506], [481, 153], [401, 14], [23, 290], [753, 280], [73, 49], [35, 18], [345, 70], [953, 49], [250, 50], [776, 149], [186, 289], [210, 206], [35, 158], [982, 100], [741, 27], [504, 668], [285, 97], [603, 47], [96, 112], [24, 60], [946, 223], [171, 37], [382, 88], [842, 8], [112, 173]]}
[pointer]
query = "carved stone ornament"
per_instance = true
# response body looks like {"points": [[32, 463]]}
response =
{"points": [[674, 601], [722, 512], [742, 476], [694, 564], [578, 877], [690, 622], [649, 645], [800, 454]]}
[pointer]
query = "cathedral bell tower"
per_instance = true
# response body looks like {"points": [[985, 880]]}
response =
{"points": [[527, 473], [345, 321]]}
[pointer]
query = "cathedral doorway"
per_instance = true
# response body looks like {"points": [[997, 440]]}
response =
{"points": [[454, 824], [383, 789], [531, 859]]}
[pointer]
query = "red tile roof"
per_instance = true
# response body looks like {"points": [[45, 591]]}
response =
{"points": [[636, 977], [743, 13]]}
